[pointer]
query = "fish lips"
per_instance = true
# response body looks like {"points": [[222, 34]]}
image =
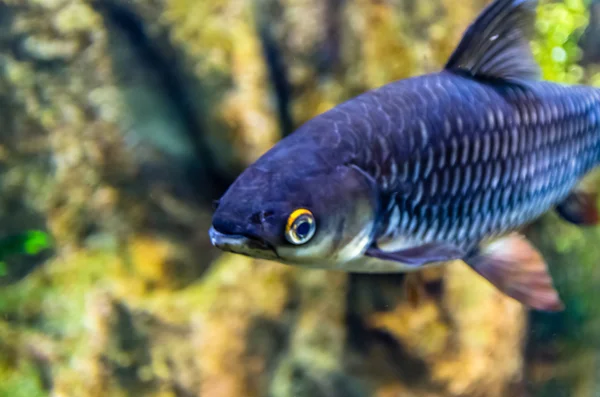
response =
{"points": [[243, 245]]}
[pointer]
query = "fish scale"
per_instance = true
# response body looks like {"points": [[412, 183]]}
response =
{"points": [[506, 175]]}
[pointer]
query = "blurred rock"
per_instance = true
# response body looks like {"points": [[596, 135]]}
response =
{"points": [[96, 144]]}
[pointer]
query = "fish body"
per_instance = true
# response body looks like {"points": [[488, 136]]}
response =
{"points": [[459, 161], [429, 169]]}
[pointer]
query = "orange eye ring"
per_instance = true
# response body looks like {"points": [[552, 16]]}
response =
{"points": [[300, 227]]}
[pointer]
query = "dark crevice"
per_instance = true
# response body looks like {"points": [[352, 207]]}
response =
{"points": [[328, 58], [590, 40], [269, 340], [130, 339], [43, 367], [409, 369], [202, 169], [306, 381], [277, 74]]}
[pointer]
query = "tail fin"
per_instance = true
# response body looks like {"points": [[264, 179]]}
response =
{"points": [[581, 206]]}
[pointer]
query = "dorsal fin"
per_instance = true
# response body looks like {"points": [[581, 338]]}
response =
{"points": [[497, 44]]}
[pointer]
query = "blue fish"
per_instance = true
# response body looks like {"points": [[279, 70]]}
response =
{"points": [[435, 168]]}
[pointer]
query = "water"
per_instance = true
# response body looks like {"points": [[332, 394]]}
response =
{"points": [[122, 121]]}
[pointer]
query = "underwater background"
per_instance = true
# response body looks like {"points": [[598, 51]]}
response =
{"points": [[122, 120]]}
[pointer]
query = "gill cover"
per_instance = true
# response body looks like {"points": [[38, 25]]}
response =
{"points": [[338, 223]]}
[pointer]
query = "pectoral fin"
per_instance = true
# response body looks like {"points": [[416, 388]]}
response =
{"points": [[419, 256], [518, 270]]}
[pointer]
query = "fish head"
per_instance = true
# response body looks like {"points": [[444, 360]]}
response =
{"points": [[297, 209]]}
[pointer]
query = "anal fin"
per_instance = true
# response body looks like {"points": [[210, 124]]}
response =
{"points": [[517, 269]]}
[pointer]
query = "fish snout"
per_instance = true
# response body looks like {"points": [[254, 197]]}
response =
{"points": [[222, 240], [226, 233], [214, 237], [227, 224], [241, 244]]}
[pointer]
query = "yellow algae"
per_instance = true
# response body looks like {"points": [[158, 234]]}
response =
{"points": [[233, 284], [320, 334], [230, 63], [76, 17], [422, 328], [19, 73], [313, 100], [202, 27], [231, 298], [387, 56], [248, 106], [150, 258], [482, 340]]}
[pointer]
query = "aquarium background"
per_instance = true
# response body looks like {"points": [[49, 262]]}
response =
{"points": [[122, 120]]}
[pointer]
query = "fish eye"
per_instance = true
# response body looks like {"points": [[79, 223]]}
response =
{"points": [[301, 227]]}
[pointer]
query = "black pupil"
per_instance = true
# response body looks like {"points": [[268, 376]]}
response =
{"points": [[303, 229]]}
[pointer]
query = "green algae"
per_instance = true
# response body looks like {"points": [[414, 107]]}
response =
{"points": [[559, 27], [28, 243], [53, 297], [21, 380]]}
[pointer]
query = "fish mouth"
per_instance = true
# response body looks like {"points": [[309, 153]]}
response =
{"points": [[242, 244]]}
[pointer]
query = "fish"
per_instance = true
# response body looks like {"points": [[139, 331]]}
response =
{"points": [[441, 167]]}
